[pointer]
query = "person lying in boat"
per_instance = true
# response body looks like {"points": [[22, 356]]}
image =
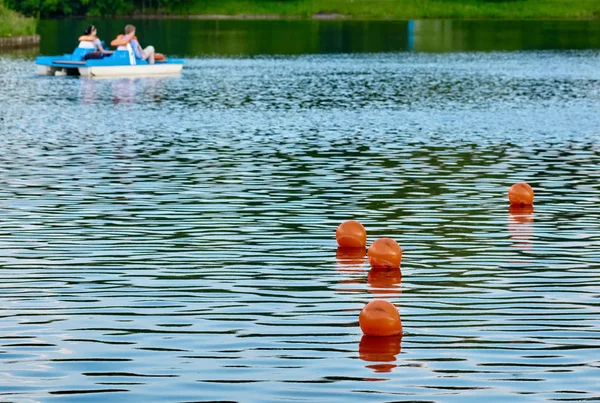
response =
{"points": [[90, 40], [147, 53]]}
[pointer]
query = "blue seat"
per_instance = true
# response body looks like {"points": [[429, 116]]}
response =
{"points": [[121, 57]]}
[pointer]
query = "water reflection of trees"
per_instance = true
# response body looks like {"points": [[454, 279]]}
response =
{"points": [[460, 35], [291, 37]]}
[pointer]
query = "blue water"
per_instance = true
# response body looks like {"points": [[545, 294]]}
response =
{"points": [[172, 239]]}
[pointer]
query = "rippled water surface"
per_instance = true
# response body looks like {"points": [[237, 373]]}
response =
{"points": [[172, 239]]}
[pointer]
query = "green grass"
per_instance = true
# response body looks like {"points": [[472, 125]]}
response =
{"points": [[13, 24], [401, 9]]}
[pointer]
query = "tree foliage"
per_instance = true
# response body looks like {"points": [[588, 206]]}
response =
{"points": [[54, 8], [12, 23]]}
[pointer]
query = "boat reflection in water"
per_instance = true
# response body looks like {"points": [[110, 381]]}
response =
{"points": [[123, 91], [380, 351], [89, 89]]}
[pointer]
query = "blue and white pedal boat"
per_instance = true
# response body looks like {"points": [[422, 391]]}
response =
{"points": [[122, 63]]}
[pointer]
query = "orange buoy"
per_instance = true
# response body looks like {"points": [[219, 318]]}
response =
{"points": [[520, 194], [380, 318], [351, 234], [385, 253]]}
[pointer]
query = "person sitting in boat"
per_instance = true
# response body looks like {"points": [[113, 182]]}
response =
{"points": [[90, 40], [142, 54]]}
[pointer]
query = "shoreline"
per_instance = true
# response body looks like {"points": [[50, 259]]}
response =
{"points": [[314, 17], [241, 17], [19, 41]]}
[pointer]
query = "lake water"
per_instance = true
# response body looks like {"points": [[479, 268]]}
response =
{"points": [[172, 239]]}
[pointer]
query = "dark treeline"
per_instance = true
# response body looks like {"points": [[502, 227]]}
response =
{"points": [[55, 8]]}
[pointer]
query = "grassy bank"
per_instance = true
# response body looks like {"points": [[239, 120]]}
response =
{"points": [[398, 9], [14, 24]]}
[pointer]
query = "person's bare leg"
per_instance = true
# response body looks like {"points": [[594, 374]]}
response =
{"points": [[149, 54]]}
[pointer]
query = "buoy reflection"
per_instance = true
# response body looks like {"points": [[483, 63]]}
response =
{"points": [[350, 262], [351, 256], [520, 226], [380, 350], [385, 281]]}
